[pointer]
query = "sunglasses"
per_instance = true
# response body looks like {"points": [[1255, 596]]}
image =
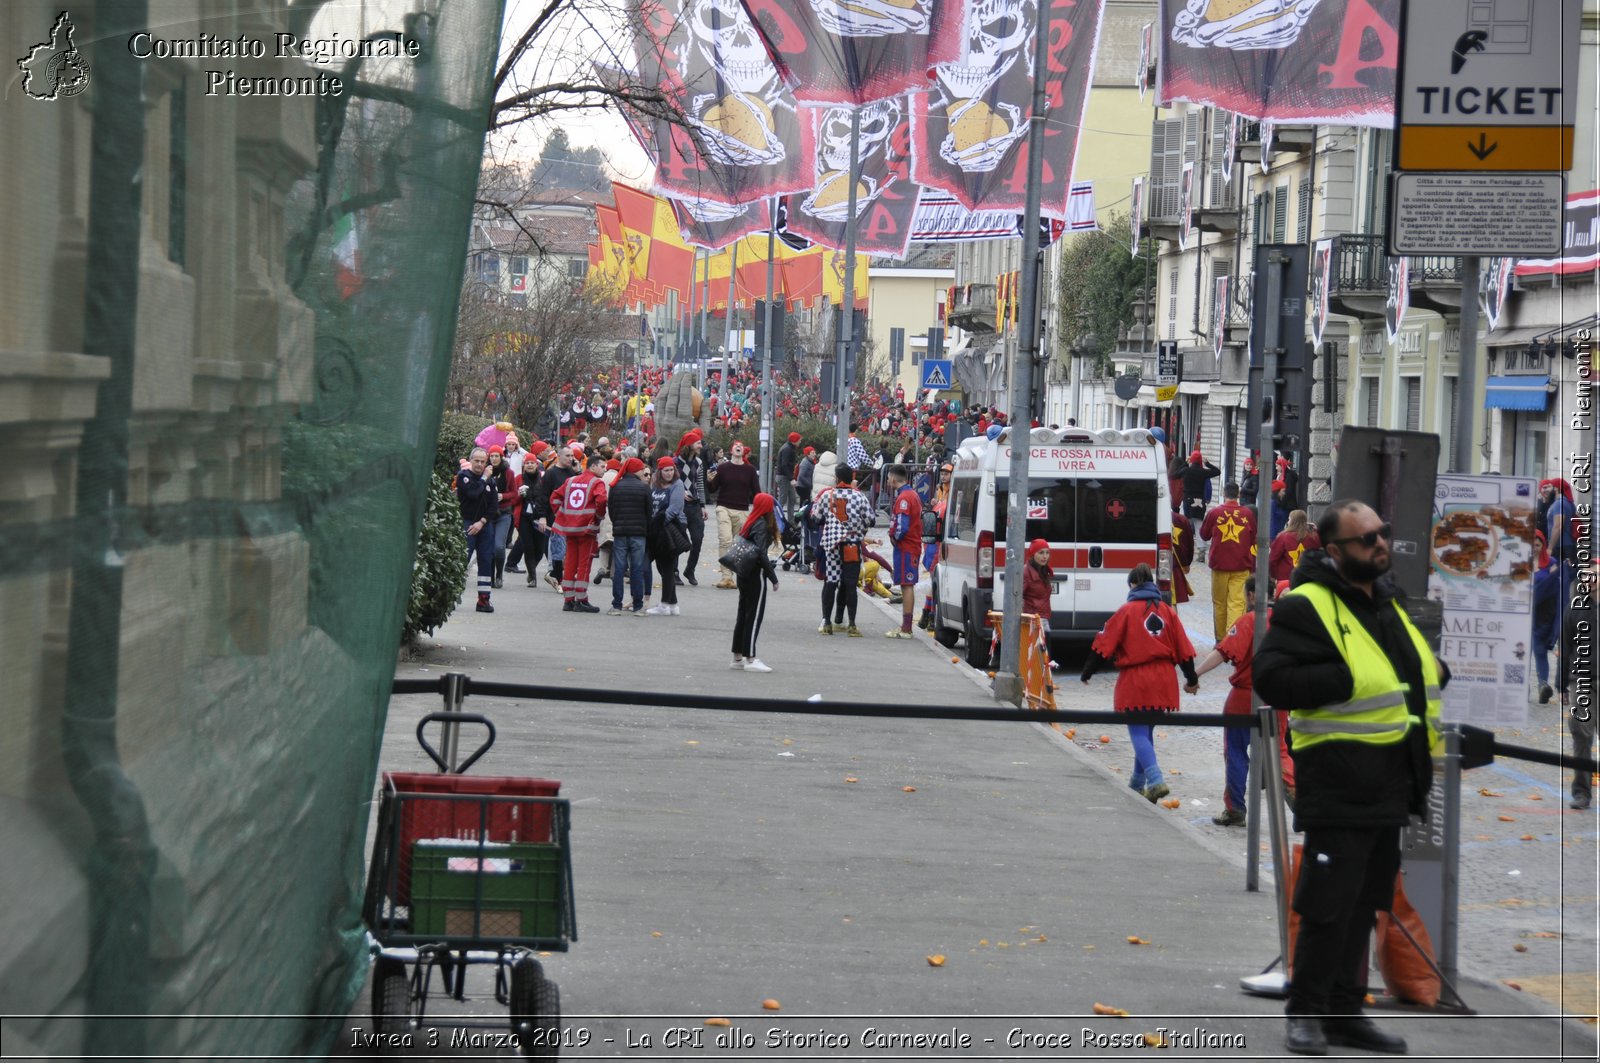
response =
{"points": [[1370, 539]]}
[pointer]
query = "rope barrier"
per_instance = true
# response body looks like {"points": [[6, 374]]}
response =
{"points": [[1481, 742]]}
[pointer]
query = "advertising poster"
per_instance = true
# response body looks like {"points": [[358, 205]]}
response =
{"points": [[1483, 557]]}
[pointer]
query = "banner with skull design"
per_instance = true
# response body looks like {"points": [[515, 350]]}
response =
{"points": [[857, 51], [706, 223], [1321, 285], [737, 135], [886, 196], [970, 133], [1305, 61], [1399, 296]]}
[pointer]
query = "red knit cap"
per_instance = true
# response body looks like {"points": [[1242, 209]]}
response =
{"points": [[497, 449], [1279, 485], [539, 446], [666, 462], [632, 466], [1037, 545], [613, 465], [794, 437]]}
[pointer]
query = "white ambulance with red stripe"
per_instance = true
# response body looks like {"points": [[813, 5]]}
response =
{"points": [[1102, 501]]}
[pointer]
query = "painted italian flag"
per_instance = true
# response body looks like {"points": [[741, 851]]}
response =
{"points": [[346, 256]]}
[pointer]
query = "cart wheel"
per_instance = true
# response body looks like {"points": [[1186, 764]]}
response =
{"points": [[391, 1003], [535, 1010]]}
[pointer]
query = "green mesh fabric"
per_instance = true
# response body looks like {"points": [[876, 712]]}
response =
{"points": [[225, 325]]}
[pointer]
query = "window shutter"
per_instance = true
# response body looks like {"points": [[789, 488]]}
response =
{"points": [[1218, 193], [1280, 214], [1413, 403], [1191, 138], [1370, 386], [1303, 211], [1259, 224]]}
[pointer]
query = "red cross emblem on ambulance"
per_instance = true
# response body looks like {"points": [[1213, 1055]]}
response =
{"points": [[1116, 508]]}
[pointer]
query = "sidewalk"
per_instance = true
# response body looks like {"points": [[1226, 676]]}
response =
{"points": [[723, 859]]}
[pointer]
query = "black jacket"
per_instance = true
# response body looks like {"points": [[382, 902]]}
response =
{"points": [[761, 535], [1345, 784], [1194, 479], [478, 497], [549, 484], [785, 460], [628, 506]]}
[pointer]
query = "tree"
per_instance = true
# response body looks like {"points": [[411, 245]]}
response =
{"points": [[562, 166], [1099, 281], [525, 353]]}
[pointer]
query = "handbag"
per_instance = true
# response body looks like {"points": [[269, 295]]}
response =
{"points": [[742, 558]]}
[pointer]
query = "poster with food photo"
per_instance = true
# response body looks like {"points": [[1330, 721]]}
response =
{"points": [[1483, 555]]}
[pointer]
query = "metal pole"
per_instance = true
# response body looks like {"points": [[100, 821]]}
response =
{"points": [[729, 353], [455, 684], [847, 313], [1450, 895], [704, 346], [1265, 740], [1466, 377], [766, 359], [1252, 819], [1008, 679]]}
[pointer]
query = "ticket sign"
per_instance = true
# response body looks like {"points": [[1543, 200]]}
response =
{"points": [[1487, 84]]}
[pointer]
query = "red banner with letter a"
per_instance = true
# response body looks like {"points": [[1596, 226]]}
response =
{"points": [[970, 130], [1303, 61], [857, 51]]}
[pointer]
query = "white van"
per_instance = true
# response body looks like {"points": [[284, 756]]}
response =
{"points": [[1101, 500]]}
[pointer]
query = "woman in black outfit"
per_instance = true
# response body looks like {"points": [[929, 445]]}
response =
{"points": [[666, 507], [761, 528]]}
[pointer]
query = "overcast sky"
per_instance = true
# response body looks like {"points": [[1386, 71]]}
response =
{"points": [[591, 30]]}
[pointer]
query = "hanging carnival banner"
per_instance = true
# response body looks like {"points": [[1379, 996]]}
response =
{"points": [[1232, 149], [1321, 282], [940, 218], [1147, 43], [969, 133], [857, 51], [705, 223], [1219, 316], [1304, 61], [1186, 207], [886, 196], [738, 135], [1399, 300], [1494, 285], [1136, 215]]}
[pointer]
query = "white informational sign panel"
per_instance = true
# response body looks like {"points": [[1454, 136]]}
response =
{"points": [[1491, 215], [1483, 556], [1489, 85]]}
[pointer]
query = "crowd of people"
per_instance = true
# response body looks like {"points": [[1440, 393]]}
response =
{"points": [[623, 409], [597, 511]]}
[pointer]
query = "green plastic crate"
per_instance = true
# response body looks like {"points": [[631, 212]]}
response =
{"points": [[523, 891]]}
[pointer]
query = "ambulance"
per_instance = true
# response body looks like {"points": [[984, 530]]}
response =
{"points": [[1101, 499]]}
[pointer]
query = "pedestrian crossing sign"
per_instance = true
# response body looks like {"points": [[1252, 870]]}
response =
{"points": [[936, 374]]}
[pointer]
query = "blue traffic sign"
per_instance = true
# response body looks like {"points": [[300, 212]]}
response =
{"points": [[936, 374]]}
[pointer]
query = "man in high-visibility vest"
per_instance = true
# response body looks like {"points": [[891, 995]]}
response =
{"points": [[1364, 690]]}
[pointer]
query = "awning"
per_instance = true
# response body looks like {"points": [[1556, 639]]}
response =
{"points": [[1226, 395], [1517, 393], [1513, 337], [1194, 387]]}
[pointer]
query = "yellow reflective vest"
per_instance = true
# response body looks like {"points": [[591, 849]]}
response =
{"points": [[1376, 712]]}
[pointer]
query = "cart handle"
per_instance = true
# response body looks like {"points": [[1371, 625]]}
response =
{"points": [[454, 717]]}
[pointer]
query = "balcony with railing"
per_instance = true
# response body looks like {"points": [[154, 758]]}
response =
{"points": [[1358, 280], [1286, 140], [974, 307], [1436, 283]]}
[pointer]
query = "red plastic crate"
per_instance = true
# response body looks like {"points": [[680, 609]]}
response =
{"points": [[506, 821]]}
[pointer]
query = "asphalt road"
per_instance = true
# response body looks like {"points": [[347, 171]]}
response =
{"points": [[727, 859]]}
